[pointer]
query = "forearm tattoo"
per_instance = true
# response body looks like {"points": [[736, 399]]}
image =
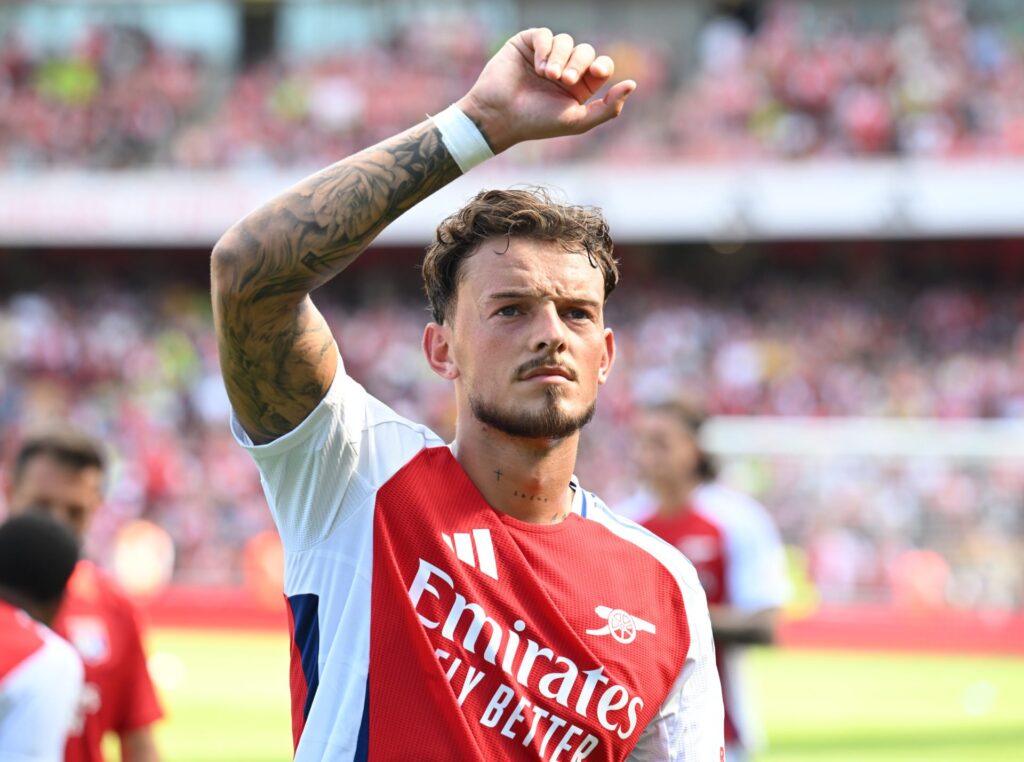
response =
{"points": [[272, 340]]}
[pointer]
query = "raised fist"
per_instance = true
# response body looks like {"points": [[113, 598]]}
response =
{"points": [[541, 85]]}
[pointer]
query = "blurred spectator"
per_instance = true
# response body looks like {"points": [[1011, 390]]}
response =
{"points": [[729, 538]]}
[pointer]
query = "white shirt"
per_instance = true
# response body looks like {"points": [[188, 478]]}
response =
{"points": [[40, 686]]}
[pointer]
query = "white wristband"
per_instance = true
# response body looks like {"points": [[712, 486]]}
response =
{"points": [[462, 138]]}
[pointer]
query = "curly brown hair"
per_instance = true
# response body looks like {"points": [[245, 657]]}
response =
{"points": [[530, 212]]}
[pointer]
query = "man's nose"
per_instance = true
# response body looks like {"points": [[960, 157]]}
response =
{"points": [[548, 330]]}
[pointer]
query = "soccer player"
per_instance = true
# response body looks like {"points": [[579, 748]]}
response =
{"points": [[61, 473], [40, 674], [729, 538], [468, 601]]}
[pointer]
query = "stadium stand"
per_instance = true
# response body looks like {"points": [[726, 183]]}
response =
{"points": [[811, 80]]}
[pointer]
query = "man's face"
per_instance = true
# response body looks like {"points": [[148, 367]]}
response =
{"points": [[69, 495], [527, 344], [663, 449]]}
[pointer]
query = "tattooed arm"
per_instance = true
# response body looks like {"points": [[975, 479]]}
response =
{"points": [[276, 351]]}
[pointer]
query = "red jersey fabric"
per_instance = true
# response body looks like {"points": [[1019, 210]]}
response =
{"points": [[702, 542], [101, 623], [18, 639], [556, 642]]}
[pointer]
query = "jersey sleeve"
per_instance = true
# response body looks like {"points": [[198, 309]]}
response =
{"points": [[139, 706], [756, 569], [318, 474], [690, 725], [44, 699]]}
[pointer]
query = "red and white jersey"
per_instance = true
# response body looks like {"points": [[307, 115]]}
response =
{"points": [[732, 541], [101, 623], [40, 684], [427, 625]]}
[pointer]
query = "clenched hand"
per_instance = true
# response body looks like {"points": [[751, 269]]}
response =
{"points": [[541, 85]]}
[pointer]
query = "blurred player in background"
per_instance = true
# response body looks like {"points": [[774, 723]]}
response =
{"points": [[61, 473], [40, 674], [399, 550], [729, 537]]}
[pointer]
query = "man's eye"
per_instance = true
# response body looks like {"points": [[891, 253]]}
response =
{"points": [[577, 314], [510, 311]]}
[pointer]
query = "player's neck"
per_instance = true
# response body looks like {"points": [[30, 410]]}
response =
{"points": [[674, 497], [527, 479], [41, 613]]}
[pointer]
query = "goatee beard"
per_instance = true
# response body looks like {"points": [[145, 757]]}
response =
{"points": [[549, 423]]}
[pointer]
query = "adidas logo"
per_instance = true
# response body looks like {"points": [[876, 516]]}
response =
{"points": [[463, 544]]}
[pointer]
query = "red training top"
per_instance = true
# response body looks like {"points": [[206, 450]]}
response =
{"points": [[101, 623]]}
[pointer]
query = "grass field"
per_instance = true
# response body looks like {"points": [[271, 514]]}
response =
{"points": [[227, 700]]}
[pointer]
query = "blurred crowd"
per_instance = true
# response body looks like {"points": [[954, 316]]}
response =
{"points": [[809, 84], [806, 81], [118, 99], [139, 368]]}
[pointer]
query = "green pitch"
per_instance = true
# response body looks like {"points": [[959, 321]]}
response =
{"points": [[863, 707], [227, 699]]}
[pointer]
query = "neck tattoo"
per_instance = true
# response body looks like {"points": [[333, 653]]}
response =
{"points": [[527, 496]]}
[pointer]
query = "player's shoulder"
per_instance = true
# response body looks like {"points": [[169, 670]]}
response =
{"points": [[741, 518], [382, 419], [14, 622], [28, 644], [89, 579], [94, 588], [61, 655], [389, 441], [644, 541], [20, 638], [724, 503], [640, 506], [349, 414]]}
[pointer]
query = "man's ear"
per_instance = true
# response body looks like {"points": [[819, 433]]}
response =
{"points": [[609, 356], [438, 349]]}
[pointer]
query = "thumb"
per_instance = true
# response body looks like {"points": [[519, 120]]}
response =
{"points": [[609, 107]]}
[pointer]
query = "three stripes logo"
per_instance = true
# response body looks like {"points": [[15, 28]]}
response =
{"points": [[463, 545]]}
